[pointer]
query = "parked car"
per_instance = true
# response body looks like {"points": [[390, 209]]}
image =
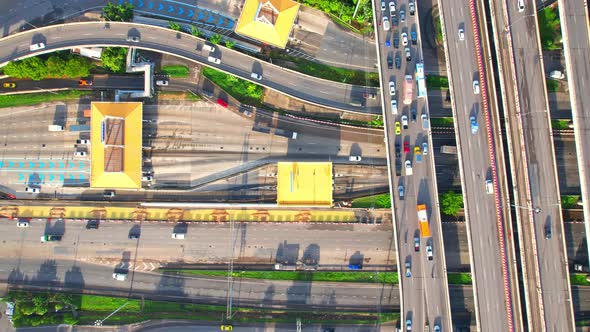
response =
{"points": [[412, 8], [392, 88], [179, 236], [398, 61], [404, 39], [386, 24], [382, 6], [402, 16], [395, 39], [408, 54], [93, 224], [390, 61], [408, 325], [162, 82], [394, 107], [391, 8], [406, 147], [398, 150], [414, 36], [414, 114], [398, 128], [404, 121]]}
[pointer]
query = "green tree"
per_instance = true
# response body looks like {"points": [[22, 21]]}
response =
{"points": [[118, 13], [113, 58], [77, 66], [41, 304], [27, 308], [215, 39], [377, 122], [55, 66], [450, 203], [195, 31], [174, 26], [230, 44]]}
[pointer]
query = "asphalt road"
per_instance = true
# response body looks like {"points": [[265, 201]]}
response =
{"points": [[576, 41], [307, 88], [491, 311], [100, 82], [548, 298], [425, 293]]}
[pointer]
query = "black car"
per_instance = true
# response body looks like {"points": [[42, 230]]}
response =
{"points": [[398, 150], [398, 61], [133, 236], [548, 230], [394, 21], [92, 224], [390, 61], [414, 115], [395, 39]]}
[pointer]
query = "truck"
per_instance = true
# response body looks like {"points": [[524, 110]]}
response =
{"points": [[79, 128], [408, 89], [423, 220], [286, 133], [55, 128], [448, 149]]}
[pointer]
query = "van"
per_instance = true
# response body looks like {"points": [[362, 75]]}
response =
{"points": [[521, 6], [208, 48], [36, 47], [256, 76], [213, 59]]}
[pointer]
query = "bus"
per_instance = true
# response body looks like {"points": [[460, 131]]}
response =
{"points": [[420, 80], [408, 89]]}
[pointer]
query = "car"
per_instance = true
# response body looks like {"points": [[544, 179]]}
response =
{"points": [[162, 82], [4, 195], [409, 325], [408, 269], [256, 76], [475, 87], [383, 6], [9, 85], [147, 178], [108, 194], [92, 224], [398, 150], [424, 148], [418, 153], [33, 190], [84, 82], [461, 34], [355, 158], [226, 328], [425, 123], [179, 236], [436, 328], [400, 191], [370, 95], [120, 276], [23, 224], [37, 46], [214, 60], [83, 141], [386, 24], [521, 6], [402, 16], [355, 267], [404, 121], [404, 39], [50, 238], [474, 125], [80, 154], [395, 39], [387, 43], [408, 54], [429, 252], [548, 230], [398, 61], [416, 243], [406, 147], [208, 48], [394, 107], [398, 128], [414, 37], [394, 21], [133, 236], [134, 39], [392, 88], [489, 187], [414, 114], [391, 8], [408, 167], [221, 102], [412, 8], [389, 61]]}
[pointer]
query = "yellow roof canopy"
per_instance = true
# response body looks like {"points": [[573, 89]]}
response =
{"points": [[269, 21], [116, 140], [304, 183]]}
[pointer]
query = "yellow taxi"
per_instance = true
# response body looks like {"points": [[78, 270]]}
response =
{"points": [[398, 128], [226, 327], [9, 85]]}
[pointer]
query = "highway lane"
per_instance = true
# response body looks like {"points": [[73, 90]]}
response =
{"points": [[475, 165], [576, 45], [533, 168], [326, 93], [425, 293]]}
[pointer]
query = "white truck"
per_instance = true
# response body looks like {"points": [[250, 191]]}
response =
{"points": [[55, 128]]}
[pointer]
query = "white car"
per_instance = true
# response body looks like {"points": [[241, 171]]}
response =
{"points": [[214, 60], [394, 107], [33, 190], [392, 88], [256, 76], [461, 34], [179, 236], [404, 39], [120, 276], [404, 121], [386, 24], [476, 87], [429, 252], [382, 6], [23, 224], [424, 148], [80, 153], [355, 158], [400, 190], [36, 47], [83, 141], [162, 83], [147, 178], [489, 187], [391, 8]]}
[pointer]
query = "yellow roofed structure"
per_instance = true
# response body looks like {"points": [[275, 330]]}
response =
{"points": [[269, 21], [115, 138], [307, 184]]}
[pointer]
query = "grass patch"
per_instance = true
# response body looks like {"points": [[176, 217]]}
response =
{"points": [[552, 85], [437, 82], [560, 124], [242, 90], [179, 95], [382, 201], [583, 322], [37, 98], [360, 276], [442, 122], [570, 201], [438, 29], [459, 278], [550, 28], [311, 68], [179, 71], [579, 279]]}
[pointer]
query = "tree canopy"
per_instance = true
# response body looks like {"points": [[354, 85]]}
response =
{"points": [[118, 13], [113, 58], [59, 65], [450, 203]]}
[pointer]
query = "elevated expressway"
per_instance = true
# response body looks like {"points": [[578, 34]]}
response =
{"points": [[575, 27], [495, 283], [534, 175], [425, 294], [314, 90]]}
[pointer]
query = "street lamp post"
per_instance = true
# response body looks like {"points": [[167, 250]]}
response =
{"points": [[536, 210], [100, 321]]}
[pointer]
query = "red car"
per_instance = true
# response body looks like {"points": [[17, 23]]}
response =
{"points": [[84, 82], [222, 102], [406, 147]]}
